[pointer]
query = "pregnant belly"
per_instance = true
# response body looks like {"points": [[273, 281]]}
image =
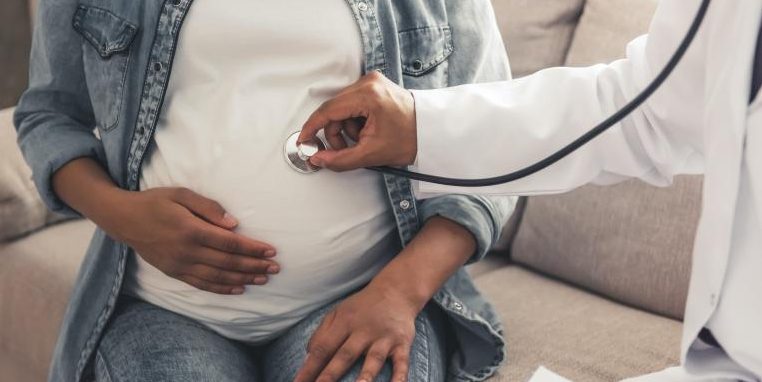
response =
{"points": [[333, 233], [308, 281], [328, 246]]}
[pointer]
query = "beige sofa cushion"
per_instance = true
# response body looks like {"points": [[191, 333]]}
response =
{"points": [[537, 33], [36, 278], [21, 209], [631, 242], [605, 29], [582, 336]]}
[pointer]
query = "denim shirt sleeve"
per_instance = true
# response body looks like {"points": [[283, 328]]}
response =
{"points": [[54, 117], [484, 217]]}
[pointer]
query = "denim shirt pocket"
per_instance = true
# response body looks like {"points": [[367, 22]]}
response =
{"points": [[424, 52], [106, 56]]}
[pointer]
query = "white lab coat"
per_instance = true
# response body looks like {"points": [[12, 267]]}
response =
{"points": [[699, 122]]}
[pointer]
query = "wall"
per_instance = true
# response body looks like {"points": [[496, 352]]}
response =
{"points": [[14, 50]]}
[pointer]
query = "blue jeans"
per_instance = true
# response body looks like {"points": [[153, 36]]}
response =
{"points": [[143, 342]]}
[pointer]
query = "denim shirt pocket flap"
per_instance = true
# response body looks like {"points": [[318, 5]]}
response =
{"points": [[106, 32], [422, 49]]}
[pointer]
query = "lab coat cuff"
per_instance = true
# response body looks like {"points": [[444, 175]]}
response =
{"points": [[427, 116]]}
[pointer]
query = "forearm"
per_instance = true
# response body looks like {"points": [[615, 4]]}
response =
{"points": [[432, 257], [87, 188]]}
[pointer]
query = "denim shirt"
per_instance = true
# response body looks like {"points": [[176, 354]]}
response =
{"points": [[99, 73]]}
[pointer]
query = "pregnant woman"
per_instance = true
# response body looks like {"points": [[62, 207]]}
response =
{"points": [[164, 123]]}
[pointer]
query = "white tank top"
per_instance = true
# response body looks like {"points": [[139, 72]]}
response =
{"points": [[246, 75]]}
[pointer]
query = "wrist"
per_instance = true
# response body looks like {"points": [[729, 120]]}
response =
{"points": [[401, 291], [420, 270], [112, 212]]}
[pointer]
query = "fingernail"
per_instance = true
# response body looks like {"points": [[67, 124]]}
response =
{"points": [[316, 161], [273, 269], [237, 290], [270, 253], [260, 280], [228, 219]]}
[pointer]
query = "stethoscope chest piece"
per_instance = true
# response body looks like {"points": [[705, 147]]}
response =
{"points": [[298, 155]]}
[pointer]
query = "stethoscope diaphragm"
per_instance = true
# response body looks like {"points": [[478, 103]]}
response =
{"points": [[298, 155]]}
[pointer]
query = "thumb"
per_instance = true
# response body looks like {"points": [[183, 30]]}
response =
{"points": [[341, 160], [205, 208], [342, 107]]}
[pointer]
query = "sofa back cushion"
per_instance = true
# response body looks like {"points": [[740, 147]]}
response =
{"points": [[537, 32], [631, 242]]}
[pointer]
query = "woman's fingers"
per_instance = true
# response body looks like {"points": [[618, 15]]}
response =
{"points": [[400, 363], [374, 361], [321, 348], [205, 208], [230, 242], [344, 359], [235, 263], [222, 277], [211, 287]]}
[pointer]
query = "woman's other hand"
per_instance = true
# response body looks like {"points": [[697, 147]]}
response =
{"points": [[191, 238], [377, 323]]}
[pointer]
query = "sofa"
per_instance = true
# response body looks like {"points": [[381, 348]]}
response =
{"points": [[590, 284]]}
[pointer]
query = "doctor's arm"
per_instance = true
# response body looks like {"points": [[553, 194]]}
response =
{"points": [[484, 130]]}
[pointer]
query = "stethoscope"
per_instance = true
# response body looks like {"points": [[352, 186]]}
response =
{"points": [[298, 155]]}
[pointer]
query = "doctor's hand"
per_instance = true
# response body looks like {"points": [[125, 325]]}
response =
{"points": [[377, 114]]}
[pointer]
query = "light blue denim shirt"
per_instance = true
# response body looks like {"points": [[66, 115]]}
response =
{"points": [[99, 72]]}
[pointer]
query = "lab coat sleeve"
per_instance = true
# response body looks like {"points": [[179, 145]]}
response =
{"points": [[484, 61], [484, 130]]}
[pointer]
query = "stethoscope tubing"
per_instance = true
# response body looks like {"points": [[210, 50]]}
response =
{"points": [[575, 145]]}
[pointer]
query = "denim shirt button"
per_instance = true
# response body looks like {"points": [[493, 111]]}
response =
{"points": [[362, 6], [417, 65], [176, 2], [457, 306], [157, 66], [405, 204]]}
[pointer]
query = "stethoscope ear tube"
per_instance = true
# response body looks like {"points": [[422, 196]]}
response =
{"points": [[579, 142]]}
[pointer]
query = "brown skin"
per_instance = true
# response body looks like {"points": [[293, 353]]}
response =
{"points": [[374, 112], [181, 233], [191, 238], [379, 321]]}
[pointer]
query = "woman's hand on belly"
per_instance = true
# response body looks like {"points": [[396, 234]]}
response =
{"points": [[379, 320], [191, 238], [181, 233]]}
